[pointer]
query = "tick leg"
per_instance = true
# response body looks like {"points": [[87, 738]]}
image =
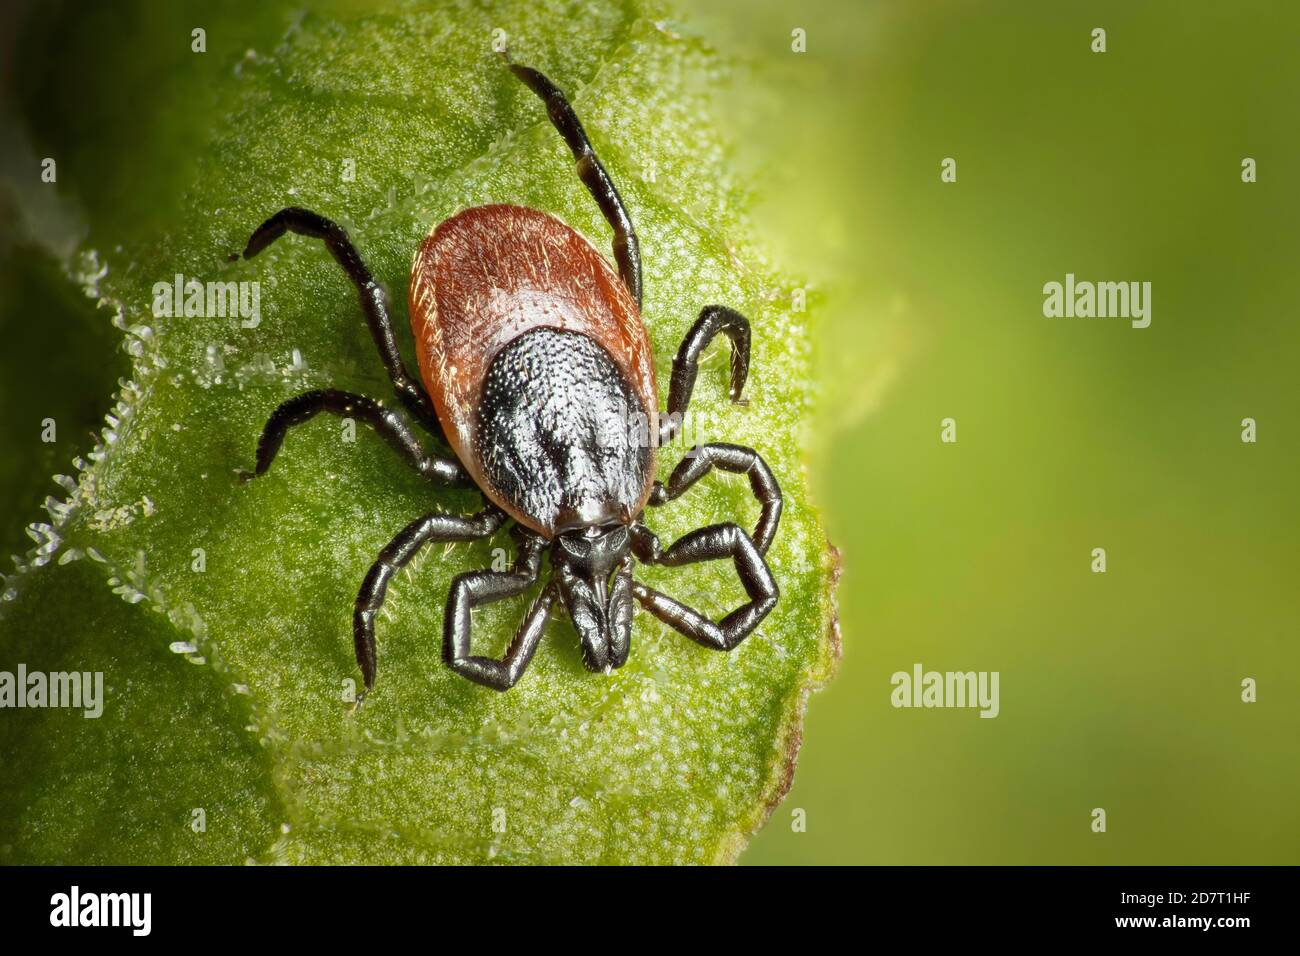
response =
{"points": [[709, 544], [373, 301], [385, 421], [736, 459], [394, 557], [686, 366], [627, 252], [473, 588]]}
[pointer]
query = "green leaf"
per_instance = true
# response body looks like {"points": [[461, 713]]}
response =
{"points": [[59, 365], [678, 756], [124, 786]]}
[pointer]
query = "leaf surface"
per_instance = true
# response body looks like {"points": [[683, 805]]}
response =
{"points": [[676, 757]]}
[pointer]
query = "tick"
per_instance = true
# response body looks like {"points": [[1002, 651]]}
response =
{"points": [[533, 363]]}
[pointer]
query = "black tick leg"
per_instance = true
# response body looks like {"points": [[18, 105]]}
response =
{"points": [[686, 365], [709, 544], [736, 459], [373, 301], [385, 421], [627, 252], [394, 557], [479, 587]]}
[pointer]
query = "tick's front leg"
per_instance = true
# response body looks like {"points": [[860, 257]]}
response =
{"points": [[473, 588], [394, 557], [709, 544]]}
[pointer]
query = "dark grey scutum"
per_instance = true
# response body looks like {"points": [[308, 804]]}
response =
{"points": [[557, 435]]}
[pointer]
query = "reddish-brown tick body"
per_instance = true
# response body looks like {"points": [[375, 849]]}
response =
{"points": [[483, 284]]}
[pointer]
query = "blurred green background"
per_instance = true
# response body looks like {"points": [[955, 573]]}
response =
{"points": [[1118, 690]]}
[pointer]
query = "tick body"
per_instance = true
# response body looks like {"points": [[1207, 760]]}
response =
{"points": [[537, 374], [503, 298]]}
